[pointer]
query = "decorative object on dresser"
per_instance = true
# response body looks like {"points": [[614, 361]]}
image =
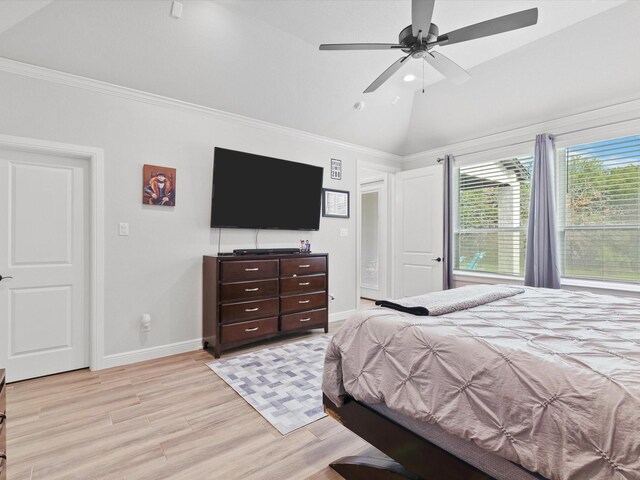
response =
{"points": [[3, 425], [254, 297]]}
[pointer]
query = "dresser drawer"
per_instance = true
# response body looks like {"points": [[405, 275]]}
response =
{"points": [[296, 321], [3, 437], [304, 284], [297, 303], [255, 328], [3, 426], [248, 270], [247, 290], [237, 312], [302, 266]]}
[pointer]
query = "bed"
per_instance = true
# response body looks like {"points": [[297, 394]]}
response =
{"points": [[542, 384]]}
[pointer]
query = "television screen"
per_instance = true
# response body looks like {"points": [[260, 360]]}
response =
{"points": [[252, 191]]}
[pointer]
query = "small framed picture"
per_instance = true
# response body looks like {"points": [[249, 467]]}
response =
{"points": [[336, 169], [158, 185], [335, 203]]}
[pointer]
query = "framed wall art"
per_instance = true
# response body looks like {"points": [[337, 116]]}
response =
{"points": [[158, 185], [335, 203], [336, 169]]}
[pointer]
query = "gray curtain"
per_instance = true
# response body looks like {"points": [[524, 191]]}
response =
{"points": [[447, 252], [541, 266]]}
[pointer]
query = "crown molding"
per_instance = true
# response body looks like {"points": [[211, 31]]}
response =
{"points": [[611, 115], [71, 80], [617, 113]]}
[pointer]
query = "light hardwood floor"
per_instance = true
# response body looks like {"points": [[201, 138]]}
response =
{"points": [[171, 418]]}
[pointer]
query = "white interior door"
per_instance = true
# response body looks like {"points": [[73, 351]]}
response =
{"points": [[44, 247], [419, 231], [373, 239]]}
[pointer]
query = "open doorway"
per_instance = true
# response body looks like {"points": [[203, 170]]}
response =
{"points": [[375, 242]]}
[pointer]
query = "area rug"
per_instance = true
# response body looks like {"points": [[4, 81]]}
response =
{"points": [[284, 384]]}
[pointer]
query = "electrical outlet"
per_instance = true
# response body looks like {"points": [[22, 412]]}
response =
{"points": [[123, 229], [145, 323], [344, 232]]}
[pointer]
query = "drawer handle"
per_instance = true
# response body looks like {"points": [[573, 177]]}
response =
{"points": [[251, 289], [304, 266], [251, 329], [304, 301], [304, 284], [252, 269], [3, 417], [3, 456], [252, 309], [305, 319]]}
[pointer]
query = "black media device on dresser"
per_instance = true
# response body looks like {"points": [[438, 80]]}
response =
{"points": [[3, 425], [253, 297]]}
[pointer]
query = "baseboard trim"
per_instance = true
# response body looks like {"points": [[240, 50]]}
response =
{"points": [[150, 353], [339, 316]]}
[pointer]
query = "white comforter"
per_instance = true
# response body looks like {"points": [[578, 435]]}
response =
{"points": [[549, 379]]}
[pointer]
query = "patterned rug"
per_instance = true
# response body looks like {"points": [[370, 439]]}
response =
{"points": [[284, 384]]}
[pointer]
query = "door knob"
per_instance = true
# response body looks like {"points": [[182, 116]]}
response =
{"points": [[2, 278], [437, 259]]}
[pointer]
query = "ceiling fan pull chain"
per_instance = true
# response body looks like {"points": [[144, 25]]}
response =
{"points": [[422, 77]]}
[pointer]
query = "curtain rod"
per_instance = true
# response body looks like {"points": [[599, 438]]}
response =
{"points": [[569, 132]]}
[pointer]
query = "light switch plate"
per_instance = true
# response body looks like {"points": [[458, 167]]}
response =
{"points": [[123, 229], [176, 9], [344, 232]]}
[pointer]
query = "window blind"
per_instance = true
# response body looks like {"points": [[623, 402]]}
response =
{"points": [[599, 216], [492, 213]]}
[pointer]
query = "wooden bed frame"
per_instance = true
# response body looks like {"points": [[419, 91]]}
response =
{"points": [[414, 457]]}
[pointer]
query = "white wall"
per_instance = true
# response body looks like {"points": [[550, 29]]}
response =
{"points": [[157, 269]]}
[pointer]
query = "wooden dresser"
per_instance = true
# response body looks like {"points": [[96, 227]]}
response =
{"points": [[3, 426], [254, 297]]}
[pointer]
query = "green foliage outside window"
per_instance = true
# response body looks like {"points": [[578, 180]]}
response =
{"points": [[598, 201]]}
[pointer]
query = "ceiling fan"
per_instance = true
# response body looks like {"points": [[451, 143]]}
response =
{"points": [[418, 39]]}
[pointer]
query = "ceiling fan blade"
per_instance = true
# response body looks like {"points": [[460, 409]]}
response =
{"points": [[447, 67], [513, 21], [359, 46], [421, 13], [395, 66]]}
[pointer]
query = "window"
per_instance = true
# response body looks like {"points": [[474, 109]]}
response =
{"points": [[599, 210], [490, 227]]}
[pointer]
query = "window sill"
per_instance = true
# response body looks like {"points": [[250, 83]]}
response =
{"points": [[477, 277], [612, 286]]}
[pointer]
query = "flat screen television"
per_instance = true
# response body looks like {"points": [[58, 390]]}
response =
{"points": [[252, 191]]}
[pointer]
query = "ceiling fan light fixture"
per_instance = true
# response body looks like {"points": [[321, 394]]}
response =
{"points": [[409, 78], [415, 44]]}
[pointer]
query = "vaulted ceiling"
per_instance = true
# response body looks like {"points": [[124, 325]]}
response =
{"points": [[260, 59]]}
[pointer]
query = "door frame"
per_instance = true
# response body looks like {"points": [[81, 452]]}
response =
{"points": [[95, 157], [387, 171], [380, 184]]}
